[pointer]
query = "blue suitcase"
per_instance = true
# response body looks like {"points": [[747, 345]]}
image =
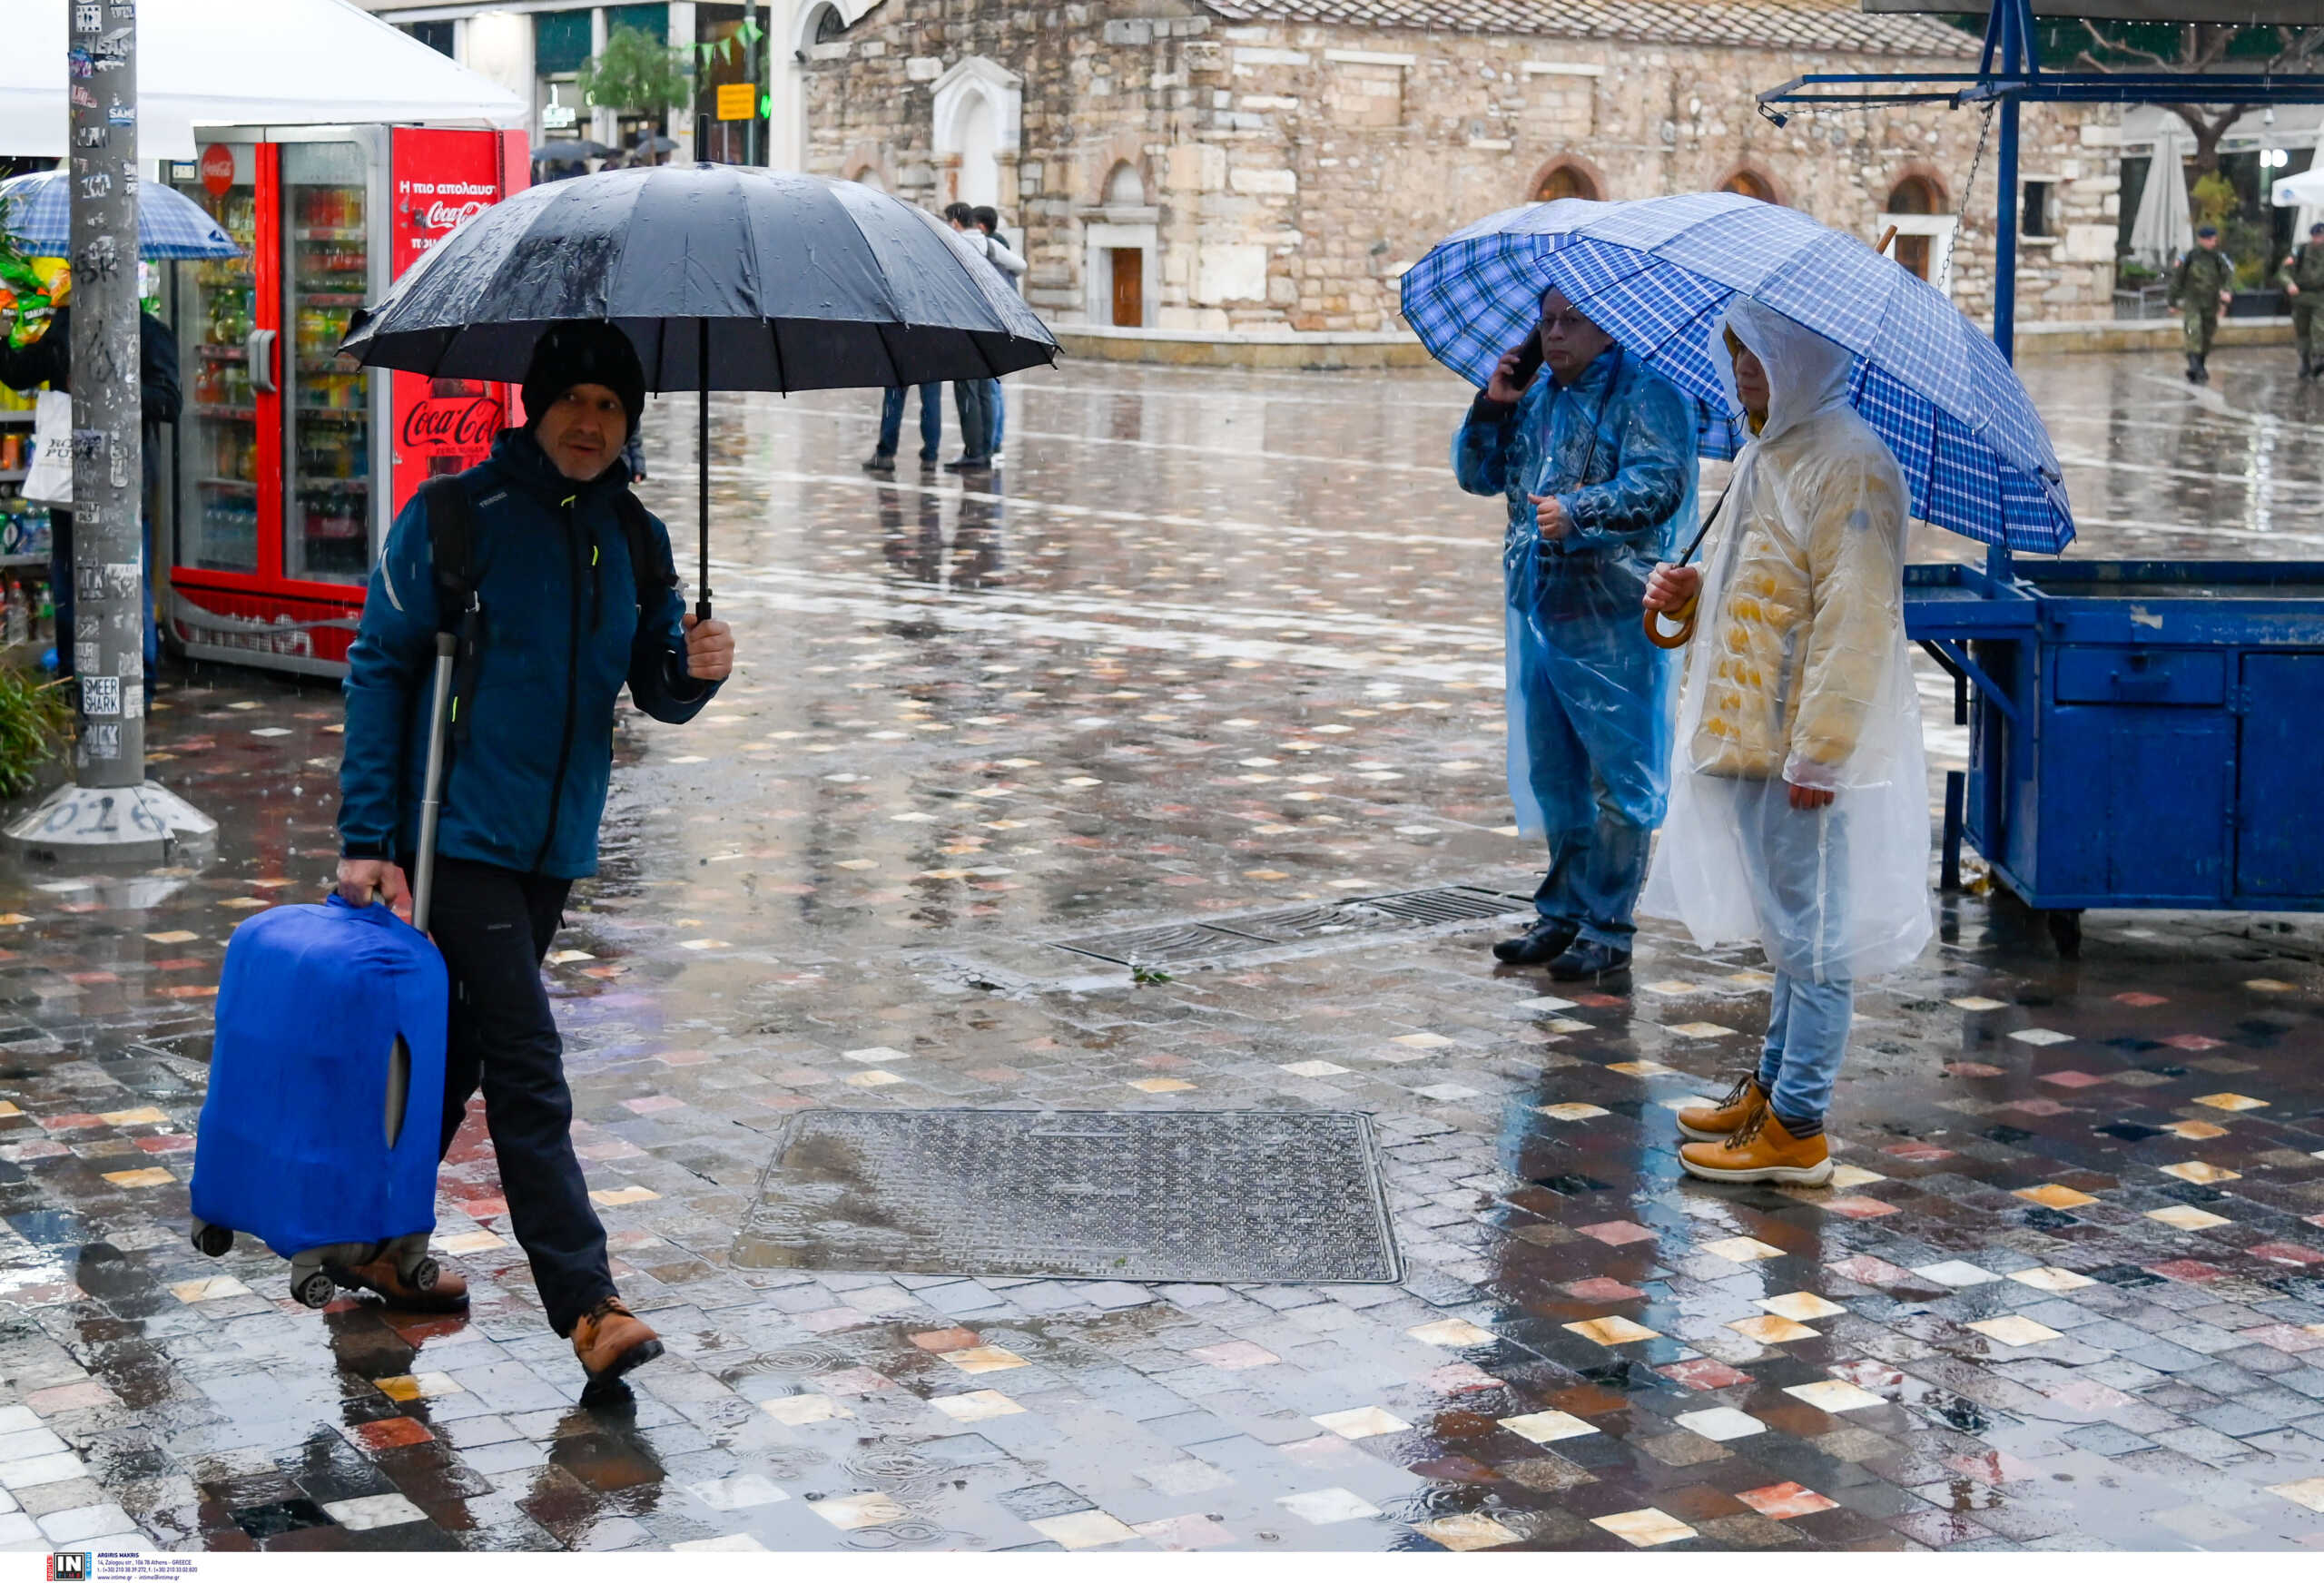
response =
{"points": [[319, 1135]]}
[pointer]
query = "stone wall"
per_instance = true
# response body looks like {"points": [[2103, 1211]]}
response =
{"points": [[1287, 174]]}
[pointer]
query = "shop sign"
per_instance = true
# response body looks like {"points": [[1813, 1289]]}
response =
{"points": [[737, 101]]}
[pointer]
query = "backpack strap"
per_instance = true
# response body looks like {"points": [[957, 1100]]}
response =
{"points": [[653, 570], [451, 553]]}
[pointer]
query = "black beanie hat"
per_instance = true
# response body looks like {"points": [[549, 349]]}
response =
{"points": [[584, 351]]}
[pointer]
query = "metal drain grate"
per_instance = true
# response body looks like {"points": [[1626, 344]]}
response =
{"points": [[1448, 904], [1183, 944], [1170, 945], [1239, 1196]]}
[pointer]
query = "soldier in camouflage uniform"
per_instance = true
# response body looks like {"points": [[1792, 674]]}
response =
{"points": [[2205, 281], [2303, 279]]}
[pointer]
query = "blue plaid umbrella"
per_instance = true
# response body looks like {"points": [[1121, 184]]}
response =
{"points": [[1658, 274], [37, 211]]}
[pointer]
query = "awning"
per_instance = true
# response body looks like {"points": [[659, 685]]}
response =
{"points": [[243, 62]]}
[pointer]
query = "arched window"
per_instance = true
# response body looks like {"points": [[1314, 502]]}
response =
{"points": [[1125, 188], [1567, 178], [1751, 184], [1917, 194], [826, 25]]}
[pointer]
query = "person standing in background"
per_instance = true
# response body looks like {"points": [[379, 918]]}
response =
{"points": [[972, 397], [988, 221], [49, 361], [2303, 279]]}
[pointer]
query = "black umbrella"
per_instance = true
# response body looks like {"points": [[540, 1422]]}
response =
{"points": [[570, 149], [723, 277]]}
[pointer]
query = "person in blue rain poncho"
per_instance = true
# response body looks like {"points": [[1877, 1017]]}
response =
{"points": [[1598, 461]]}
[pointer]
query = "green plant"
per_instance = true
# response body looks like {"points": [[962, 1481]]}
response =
{"points": [[636, 73], [1138, 975], [2248, 242], [2211, 197], [35, 715]]}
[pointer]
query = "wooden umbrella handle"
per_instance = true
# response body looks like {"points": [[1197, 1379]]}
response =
{"points": [[1886, 237], [1685, 615]]}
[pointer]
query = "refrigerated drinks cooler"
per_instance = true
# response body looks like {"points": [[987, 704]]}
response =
{"points": [[289, 461]]}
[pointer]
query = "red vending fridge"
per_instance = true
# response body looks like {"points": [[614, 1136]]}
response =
{"points": [[290, 462]]}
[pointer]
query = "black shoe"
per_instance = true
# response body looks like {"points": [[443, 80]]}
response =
{"points": [[928, 458], [2202, 372], [2194, 369], [969, 465], [1538, 944], [879, 462], [1591, 962]]}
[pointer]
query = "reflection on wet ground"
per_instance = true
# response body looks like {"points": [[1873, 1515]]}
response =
{"points": [[1210, 642]]}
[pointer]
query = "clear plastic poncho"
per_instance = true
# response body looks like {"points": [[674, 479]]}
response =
{"points": [[1588, 698], [1799, 673]]}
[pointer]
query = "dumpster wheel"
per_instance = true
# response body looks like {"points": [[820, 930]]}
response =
{"points": [[2065, 932]]}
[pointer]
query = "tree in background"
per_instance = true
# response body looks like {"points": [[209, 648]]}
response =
{"points": [[637, 74], [2196, 47]]}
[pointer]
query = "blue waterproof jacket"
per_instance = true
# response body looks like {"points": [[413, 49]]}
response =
{"points": [[1589, 699], [526, 790]]}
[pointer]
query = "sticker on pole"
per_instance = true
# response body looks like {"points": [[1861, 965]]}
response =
{"points": [[101, 695]]}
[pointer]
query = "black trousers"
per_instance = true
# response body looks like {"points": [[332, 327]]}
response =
{"points": [[494, 925]]}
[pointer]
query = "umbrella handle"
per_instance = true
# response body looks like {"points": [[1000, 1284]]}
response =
{"points": [[1685, 615], [1886, 237]]}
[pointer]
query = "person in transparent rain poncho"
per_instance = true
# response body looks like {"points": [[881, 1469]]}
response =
{"points": [[1798, 805], [1598, 463]]}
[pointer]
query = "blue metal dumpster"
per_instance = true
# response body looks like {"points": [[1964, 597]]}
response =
{"points": [[2143, 733]]}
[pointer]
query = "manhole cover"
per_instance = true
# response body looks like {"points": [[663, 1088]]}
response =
{"points": [[1236, 1196], [1165, 945]]}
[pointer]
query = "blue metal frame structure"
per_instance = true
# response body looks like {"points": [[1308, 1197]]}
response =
{"points": [[2070, 661]]}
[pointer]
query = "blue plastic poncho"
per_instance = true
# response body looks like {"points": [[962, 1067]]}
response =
{"points": [[1589, 699]]}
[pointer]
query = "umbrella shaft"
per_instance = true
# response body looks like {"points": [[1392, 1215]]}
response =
{"points": [[701, 474]]}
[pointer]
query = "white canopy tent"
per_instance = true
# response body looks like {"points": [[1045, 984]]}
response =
{"points": [[242, 62]]}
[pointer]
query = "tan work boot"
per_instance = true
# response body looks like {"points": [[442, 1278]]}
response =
{"points": [[447, 1294], [1761, 1151], [1711, 1124], [610, 1342]]}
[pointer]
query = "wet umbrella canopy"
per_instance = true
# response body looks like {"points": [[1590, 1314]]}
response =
{"points": [[723, 279]]}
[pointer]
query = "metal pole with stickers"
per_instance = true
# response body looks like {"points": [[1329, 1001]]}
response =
{"points": [[110, 811]]}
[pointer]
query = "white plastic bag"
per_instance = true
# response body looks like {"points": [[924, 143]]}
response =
{"points": [[1798, 676], [50, 480]]}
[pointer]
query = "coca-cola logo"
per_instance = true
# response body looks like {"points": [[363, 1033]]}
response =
{"points": [[442, 216], [452, 426], [217, 169]]}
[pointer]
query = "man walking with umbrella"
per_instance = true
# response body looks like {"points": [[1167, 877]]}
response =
{"points": [[570, 594], [1598, 463]]}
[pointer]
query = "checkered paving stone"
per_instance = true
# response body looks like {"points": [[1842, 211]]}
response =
{"points": [[2065, 1291]]}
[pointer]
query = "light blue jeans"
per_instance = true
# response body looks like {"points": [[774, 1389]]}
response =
{"points": [[1797, 868], [1808, 1033]]}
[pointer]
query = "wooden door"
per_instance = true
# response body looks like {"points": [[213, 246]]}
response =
{"points": [[1913, 252], [1130, 286]]}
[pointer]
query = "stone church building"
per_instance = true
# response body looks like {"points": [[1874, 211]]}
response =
{"points": [[1216, 165]]}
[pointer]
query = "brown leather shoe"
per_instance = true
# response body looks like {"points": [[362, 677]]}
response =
{"points": [[610, 1342], [1711, 1124], [1761, 1151], [447, 1294]]}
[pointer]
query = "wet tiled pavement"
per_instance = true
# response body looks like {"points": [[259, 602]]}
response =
{"points": [[1211, 642]]}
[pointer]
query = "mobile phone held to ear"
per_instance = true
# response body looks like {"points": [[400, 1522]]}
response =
{"points": [[1528, 358]]}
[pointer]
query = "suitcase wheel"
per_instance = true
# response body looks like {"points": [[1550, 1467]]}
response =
{"points": [[215, 1241], [316, 1290], [422, 1274]]}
